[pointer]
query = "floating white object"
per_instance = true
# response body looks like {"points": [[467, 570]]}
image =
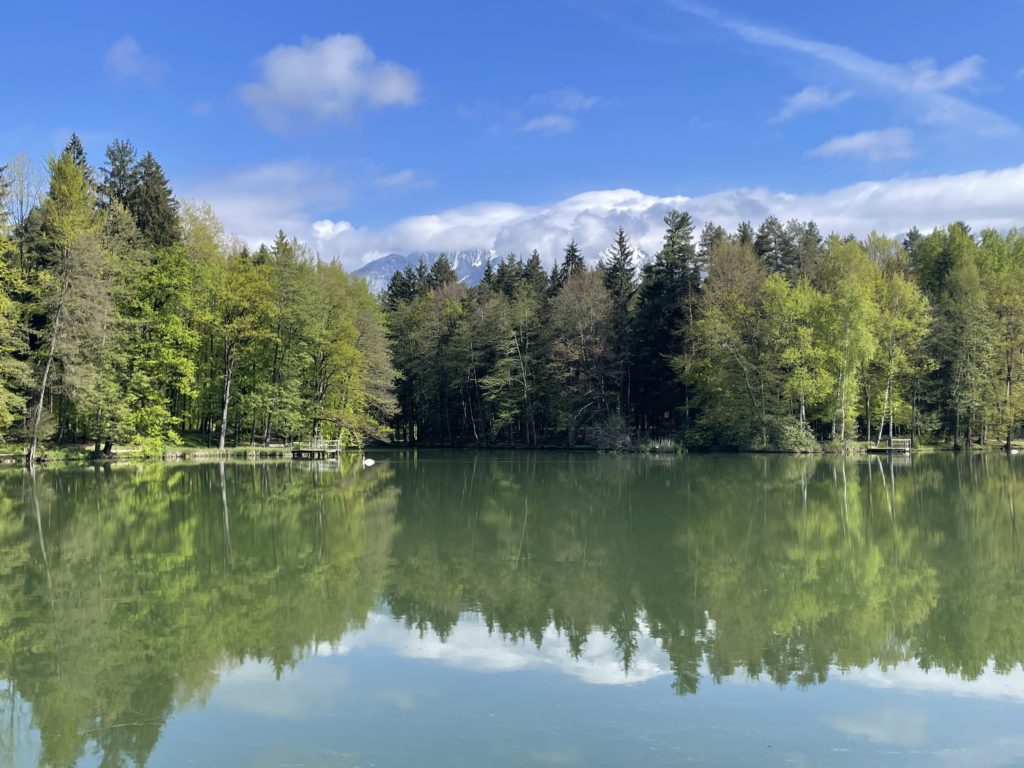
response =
{"points": [[368, 462]]}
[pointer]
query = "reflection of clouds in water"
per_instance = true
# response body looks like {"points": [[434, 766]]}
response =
{"points": [[898, 728], [470, 645], [251, 688], [908, 676]]}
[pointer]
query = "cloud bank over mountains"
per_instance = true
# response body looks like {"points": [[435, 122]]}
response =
{"points": [[981, 198]]}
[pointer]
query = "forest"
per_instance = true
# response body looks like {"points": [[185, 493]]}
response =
{"points": [[130, 317]]}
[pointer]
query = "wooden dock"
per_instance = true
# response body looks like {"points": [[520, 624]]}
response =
{"points": [[316, 450], [892, 445]]}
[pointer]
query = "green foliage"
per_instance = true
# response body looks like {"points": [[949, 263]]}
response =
{"points": [[127, 316]]}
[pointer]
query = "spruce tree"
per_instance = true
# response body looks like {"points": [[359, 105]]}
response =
{"points": [[711, 237], [619, 272], [744, 235], [572, 262], [619, 275], [120, 177], [775, 247], [534, 273], [75, 148], [153, 204], [442, 273], [662, 313]]}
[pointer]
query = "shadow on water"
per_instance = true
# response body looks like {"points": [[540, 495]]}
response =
{"points": [[125, 590]]}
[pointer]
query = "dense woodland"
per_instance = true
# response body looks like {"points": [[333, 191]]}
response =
{"points": [[774, 338], [128, 317]]}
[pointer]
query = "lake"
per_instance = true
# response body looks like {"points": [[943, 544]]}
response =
{"points": [[515, 609]]}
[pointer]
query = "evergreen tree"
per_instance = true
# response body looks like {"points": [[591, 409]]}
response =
{"points": [[572, 262], [534, 275], [619, 275], [711, 237], [76, 150], [442, 273], [775, 247], [619, 272], [153, 204], [121, 177], [744, 235], [808, 249], [664, 307]]}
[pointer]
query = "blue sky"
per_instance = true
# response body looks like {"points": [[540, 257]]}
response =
{"points": [[369, 127]]}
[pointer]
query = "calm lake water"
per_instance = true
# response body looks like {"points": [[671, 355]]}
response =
{"points": [[460, 609]]}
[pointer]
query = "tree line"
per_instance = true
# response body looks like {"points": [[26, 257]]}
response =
{"points": [[770, 338], [127, 316]]}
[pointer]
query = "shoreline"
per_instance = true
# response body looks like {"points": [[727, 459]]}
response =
{"points": [[69, 455]]}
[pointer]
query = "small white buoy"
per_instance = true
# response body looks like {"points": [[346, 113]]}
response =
{"points": [[1014, 451], [368, 462]]}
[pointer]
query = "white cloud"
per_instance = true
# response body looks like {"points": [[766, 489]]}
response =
{"points": [[921, 81], [908, 676], [551, 124], [302, 199], [326, 81], [813, 98], [255, 203], [472, 644], [891, 727], [565, 100], [890, 144], [125, 60]]}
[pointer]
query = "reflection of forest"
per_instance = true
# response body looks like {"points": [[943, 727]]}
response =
{"points": [[123, 591]]}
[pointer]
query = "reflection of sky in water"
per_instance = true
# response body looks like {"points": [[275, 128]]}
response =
{"points": [[389, 696]]}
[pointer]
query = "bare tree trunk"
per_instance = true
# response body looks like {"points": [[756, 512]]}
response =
{"points": [[33, 442], [881, 421], [1009, 395], [229, 365]]}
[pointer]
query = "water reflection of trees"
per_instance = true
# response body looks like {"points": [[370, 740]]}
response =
{"points": [[150, 585], [123, 591], [777, 566]]}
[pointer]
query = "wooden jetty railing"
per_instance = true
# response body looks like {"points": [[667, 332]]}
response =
{"points": [[312, 450], [891, 445]]}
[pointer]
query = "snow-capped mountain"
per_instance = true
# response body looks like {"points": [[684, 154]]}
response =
{"points": [[468, 265]]}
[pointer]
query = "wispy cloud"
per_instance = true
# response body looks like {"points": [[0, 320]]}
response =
{"points": [[563, 105], [922, 81], [253, 203], [813, 98], [125, 60], [407, 178], [552, 124], [565, 100], [326, 80], [890, 144]]}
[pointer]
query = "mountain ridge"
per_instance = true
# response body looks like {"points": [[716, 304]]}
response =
{"points": [[469, 265]]}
